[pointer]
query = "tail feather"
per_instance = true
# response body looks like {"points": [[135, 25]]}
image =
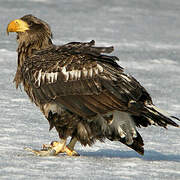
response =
{"points": [[159, 117], [174, 117]]}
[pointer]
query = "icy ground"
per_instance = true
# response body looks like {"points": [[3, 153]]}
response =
{"points": [[146, 37]]}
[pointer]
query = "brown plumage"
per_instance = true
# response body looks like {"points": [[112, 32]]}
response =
{"points": [[82, 91]]}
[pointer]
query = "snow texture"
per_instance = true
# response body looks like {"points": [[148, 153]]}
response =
{"points": [[146, 37]]}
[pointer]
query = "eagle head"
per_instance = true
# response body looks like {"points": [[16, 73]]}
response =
{"points": [[30, 25]]}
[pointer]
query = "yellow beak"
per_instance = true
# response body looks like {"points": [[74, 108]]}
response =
{"points": [[17, 25]]}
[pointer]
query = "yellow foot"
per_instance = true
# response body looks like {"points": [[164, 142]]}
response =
{"points": [[50, 150], [67, 149], [70, 152], [53, 149]]}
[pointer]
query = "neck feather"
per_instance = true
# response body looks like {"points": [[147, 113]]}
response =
{"points": [[26, 48]]}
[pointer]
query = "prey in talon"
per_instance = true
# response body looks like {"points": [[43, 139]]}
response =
{"points": [[47, 150], [42, 152], [53, 149], [81, 90]]}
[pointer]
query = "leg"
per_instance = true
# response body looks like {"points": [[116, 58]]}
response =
{"points": [[69, 149]]}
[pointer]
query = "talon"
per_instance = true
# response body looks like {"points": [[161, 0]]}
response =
{"points": [[55, 147], [51, 149], [71, 152], [50, 146]]}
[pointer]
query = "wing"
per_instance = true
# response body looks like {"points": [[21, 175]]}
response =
{"points": [[82, 79]]}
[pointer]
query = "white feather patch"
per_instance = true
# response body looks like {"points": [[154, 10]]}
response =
{"points": [[90, 72], [100, 68], [79, 74], [55, 76], [65, 73], [43, 75], [71, 74], [85, 72], [95, 69], [121, 132], [75, 74], [39, 78], [50, 77], [125, 77], [134, 133]]}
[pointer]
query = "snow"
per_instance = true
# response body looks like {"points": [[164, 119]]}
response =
{"points": [[145, 35]]}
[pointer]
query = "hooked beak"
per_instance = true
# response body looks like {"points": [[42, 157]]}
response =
{"points": [[17, 25]]}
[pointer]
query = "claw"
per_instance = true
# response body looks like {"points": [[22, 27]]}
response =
{"points": [[55, 147], [71, 152], [50, 146]]}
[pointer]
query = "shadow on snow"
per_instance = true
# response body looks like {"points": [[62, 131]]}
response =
{"points": [[150, 155]]}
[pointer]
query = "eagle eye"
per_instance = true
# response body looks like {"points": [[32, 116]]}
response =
{"points": [[30, 23]]}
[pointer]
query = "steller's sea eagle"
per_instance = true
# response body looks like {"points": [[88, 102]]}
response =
{"points": [[82, 92]]}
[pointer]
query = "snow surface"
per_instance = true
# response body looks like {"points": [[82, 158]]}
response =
{"points": [[146, 37]]}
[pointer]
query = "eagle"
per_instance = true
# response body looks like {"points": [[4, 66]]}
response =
{"points": [[82, 91]]}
